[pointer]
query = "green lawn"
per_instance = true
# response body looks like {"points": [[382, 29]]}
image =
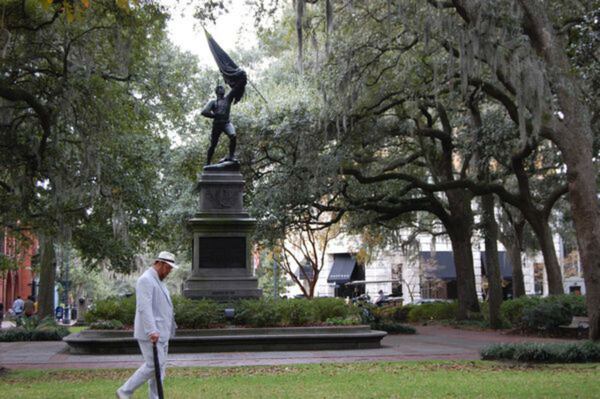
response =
{"points": [[76, 329], [344, 381]]}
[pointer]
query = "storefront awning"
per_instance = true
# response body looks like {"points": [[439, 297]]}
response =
{"points": [[341, 271], [505, 265], [440, 266]]}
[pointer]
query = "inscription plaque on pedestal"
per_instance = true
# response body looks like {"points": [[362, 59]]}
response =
{"points": [[221, 252]]}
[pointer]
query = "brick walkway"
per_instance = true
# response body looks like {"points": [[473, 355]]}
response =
{"points": [[431, 343]]}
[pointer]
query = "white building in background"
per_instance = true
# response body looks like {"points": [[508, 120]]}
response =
{"points": [[428, 272]]}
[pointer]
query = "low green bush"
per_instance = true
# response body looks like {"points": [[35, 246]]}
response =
{"points": [[106, 325], [544, 352], [294, 312], [265, 312], [34, 329], [327, 308], [257, 313], [534, 313], [122, 309], [397, 313], [547, 315], [512, 309], [297, 312], [433, 311], [54, 334], [392, 327], [194, 314], [575, 303]]}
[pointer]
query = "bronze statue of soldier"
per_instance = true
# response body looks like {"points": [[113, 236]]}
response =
{"points": [[219, 110]]}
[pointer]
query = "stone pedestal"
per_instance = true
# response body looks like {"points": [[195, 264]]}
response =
{"points": [[221, 258]]}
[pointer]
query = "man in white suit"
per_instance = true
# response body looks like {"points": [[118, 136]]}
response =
{"points": [[154, 322]]}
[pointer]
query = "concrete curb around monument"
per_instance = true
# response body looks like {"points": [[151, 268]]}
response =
{"points": [[233, 340]]}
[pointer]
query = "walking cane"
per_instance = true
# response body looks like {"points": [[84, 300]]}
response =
{"points": [[157, 372]]}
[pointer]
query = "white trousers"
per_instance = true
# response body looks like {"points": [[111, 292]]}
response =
{"points": [[146, 370]]}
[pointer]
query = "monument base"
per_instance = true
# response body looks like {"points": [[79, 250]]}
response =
{"points": [[221, 253]]}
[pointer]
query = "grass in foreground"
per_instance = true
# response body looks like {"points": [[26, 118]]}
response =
{"points": [[431, 379]]}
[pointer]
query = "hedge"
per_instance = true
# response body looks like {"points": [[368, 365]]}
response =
{"points": [[34, 329], [548, 313], [294, 312], [195, 314], [122, 309], [544, 352], [433, 311]]}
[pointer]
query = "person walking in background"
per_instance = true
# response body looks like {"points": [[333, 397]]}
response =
{"points": [[154, 323], [28, 307], [18, 305]]}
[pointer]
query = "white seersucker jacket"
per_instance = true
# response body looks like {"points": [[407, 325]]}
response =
{"points": [[153, 308]]}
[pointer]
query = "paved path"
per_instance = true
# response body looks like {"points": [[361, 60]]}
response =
{"points": [[431, 342]]}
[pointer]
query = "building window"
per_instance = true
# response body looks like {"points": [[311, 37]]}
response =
{"points": [[433, 289]]}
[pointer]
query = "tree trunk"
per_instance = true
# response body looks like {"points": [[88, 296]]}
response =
{"points": [[513, 250], [47, 277], [465, 275], [511, 236], [492, 266], [586, 218], [542, 231], [574, 139]]}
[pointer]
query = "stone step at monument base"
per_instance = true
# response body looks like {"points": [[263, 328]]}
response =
{"points": [[223, 283]]}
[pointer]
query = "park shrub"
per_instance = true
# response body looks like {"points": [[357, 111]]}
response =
{"points": [[512, 310], [433, 311], [257, 313], [265, 312], [107, 325], [533, 313], [575, 303], [297, 312], [122, 309], [547, 315], [327, 308], [392, 327], [294, 312], [396, 313], [544, 352], [34, 329], [195, 314]]}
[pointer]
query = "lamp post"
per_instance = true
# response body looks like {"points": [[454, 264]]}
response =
{"points": [[67, 312]]}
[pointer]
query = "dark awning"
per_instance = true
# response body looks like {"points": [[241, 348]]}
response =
{"points": [[308, 272], [505, 265], [441, 266], [341, 271]]}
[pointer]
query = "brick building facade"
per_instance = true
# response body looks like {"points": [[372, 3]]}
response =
{"points": [[18, 281]]}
